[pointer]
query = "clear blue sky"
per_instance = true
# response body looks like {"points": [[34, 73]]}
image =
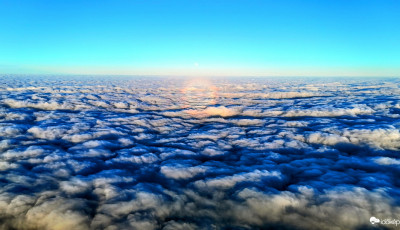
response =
{"points": [[201, 37]]}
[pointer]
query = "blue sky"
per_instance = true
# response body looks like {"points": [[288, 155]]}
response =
{"points": [[201, 37]]}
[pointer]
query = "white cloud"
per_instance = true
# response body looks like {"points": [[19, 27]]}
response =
{"points": [[146, 158], [9, 131], [31, 151], [230, 181], [181, 173], [130, 153], [388, 138], [326, 111], [49, 133], [215, 111], [387, 161]]}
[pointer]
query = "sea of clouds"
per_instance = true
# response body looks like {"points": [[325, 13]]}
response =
{"points": [[162, 153]]}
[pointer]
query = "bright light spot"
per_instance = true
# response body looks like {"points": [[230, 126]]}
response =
{"points": [[199, 93]]}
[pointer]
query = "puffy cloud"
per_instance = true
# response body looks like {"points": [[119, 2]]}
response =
{"points": [[181, 173], [173, 225], [5, 144], [306, 211], [77, 138], [147, 158], [4, 165], [52, 105], [281, 95], [387, 161], [30, 152], [215, 111], [75, 186], [326, 138], [249, 122], [212, 152], [325, 111], [6, 131], [155, 153], [49, 133], [388, 138], [230, 181]]}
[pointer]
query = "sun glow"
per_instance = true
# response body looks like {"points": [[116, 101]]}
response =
{"points": [[199, 93]]}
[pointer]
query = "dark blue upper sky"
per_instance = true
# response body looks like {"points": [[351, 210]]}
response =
{"points": [[201, 37]]}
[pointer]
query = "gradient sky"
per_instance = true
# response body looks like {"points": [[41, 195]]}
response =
{"points": [[201, 37]]}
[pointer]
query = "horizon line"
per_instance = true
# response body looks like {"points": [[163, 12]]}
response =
{"points": [[197, 76]]}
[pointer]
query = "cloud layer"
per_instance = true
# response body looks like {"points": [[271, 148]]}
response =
{"points": [[159, 153]]}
